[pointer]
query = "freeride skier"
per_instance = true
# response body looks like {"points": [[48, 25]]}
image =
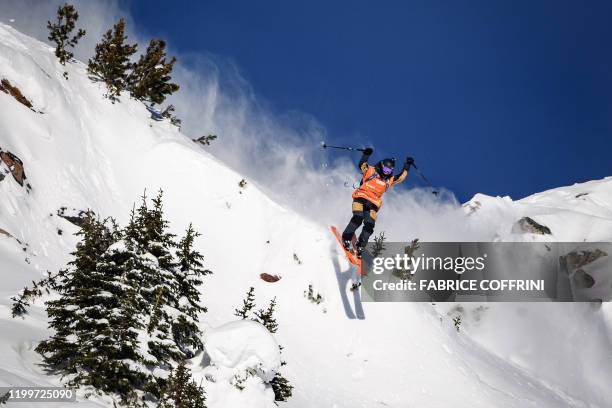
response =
{"points": [[367, 198]]}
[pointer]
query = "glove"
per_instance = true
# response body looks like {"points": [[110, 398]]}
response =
{"points": [[409, 162], [368, 151]]}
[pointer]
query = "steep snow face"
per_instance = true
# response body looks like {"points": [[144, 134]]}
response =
{"points": [[85, 152]]}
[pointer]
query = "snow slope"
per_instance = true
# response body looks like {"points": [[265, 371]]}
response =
{"points": [[85, 152]]}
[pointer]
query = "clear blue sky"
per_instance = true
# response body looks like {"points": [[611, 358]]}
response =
{"points": [[499, 97]]}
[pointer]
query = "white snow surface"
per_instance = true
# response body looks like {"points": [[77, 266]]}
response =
{"points": [[241, 345], [85, 152], [239, 351]]}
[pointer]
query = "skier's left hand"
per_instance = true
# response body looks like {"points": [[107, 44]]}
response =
{"points": [[409, 162]]}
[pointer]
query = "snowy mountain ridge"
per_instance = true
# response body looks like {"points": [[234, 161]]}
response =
{"points": [[84, 152]]}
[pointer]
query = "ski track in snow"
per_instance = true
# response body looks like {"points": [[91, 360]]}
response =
{"points": [[87, 153]]}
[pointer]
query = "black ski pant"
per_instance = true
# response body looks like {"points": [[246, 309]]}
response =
{"points": [[363, 212]]}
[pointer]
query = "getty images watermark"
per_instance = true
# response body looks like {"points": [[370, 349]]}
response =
{"points": [[458, 265], [485, 271]]}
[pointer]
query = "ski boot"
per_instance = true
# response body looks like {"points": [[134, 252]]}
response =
{"points": [[347, 245], [359, 248]]}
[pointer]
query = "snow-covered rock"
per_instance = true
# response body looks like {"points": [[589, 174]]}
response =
{"points": [[241, 359], [243, 345]]}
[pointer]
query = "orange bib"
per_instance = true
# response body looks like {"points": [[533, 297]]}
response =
{"points": [[372, 187]]}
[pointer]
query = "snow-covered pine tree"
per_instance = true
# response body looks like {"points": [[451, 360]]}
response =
{"points": [[280, 385], [112, 358], [188, 279], [158, 282], [151, 76], [63, 351], [118, 320], [247, 305], [181, 391], [60, 32], [112, 59]]}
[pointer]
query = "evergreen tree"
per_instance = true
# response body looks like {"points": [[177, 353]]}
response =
{"points": [[189, 277], [158, 282], [60, 33], [4, 398], [247, 304], [266, 317], [128, 307], [150, 79], [112, 360], [280, 385], [181, 391], [112, 59], [62, 350]]}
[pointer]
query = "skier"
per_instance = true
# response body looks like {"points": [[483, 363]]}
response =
{"points": [[367, 198]]}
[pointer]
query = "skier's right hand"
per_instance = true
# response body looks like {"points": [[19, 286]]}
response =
{"points": [[368, 151]]}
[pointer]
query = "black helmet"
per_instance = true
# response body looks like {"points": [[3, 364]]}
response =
{"points": [[385, 167]]}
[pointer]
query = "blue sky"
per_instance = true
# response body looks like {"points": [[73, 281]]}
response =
{"points": [[499, 97]]}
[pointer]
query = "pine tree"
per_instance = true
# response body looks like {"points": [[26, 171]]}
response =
{"points": [[62, 350], [111, 356], [128, 307], [158, 281], [4, 398], [247, 304], [280, 385], [266, 317], [189, 277], [181, 391], [60, 32], [112, 59], [151, 78]]}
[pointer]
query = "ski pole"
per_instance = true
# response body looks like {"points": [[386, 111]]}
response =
{"points": [[434, 192], [325, 146]]}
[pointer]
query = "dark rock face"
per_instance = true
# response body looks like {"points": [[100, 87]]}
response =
{"points": [[583, 280], [528, 225], [14, 165], [74, 216], [269, 278], [6, 87]]}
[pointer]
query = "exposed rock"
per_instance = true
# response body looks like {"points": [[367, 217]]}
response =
{"points": [[472, 206], [578, 259], [205, 140], [15, 166], [269, 278], [74, 216], [528, 225], [583, 280], [6, 87], [9, 235]]}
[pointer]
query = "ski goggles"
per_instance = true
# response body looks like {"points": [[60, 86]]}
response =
{"points": [[387, 170]]}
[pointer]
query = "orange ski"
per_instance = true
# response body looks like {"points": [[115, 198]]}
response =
{"points": [[350, 255]]}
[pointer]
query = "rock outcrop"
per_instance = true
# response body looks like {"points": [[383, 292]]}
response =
{"points": [[14, 165]]}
